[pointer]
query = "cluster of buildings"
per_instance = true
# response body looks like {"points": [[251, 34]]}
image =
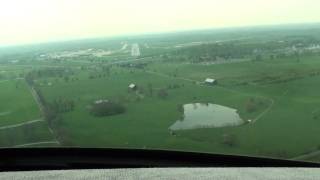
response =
{"points": [[135, 50], [77, 53]]}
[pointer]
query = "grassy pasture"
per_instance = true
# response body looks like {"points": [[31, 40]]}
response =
{"points": [[285, 130], [31, 133], [17, 104], [285, 90]]}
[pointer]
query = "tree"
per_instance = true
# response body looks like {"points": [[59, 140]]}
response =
{"points": [[62, 105], [150, 89], [229, 140], [66, 78], [162, 93], [272, 57], [180, 108], [297, 56], [71, 104], [251, 105], [258, 57], [107, 109]]}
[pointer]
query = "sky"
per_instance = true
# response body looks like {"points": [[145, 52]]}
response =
{"points": [[35, 21]]}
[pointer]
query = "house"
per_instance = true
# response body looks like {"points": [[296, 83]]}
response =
{"points": [[210, 81], [132, 86]]}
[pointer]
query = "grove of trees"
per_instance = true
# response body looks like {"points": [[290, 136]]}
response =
{"points": [[107, 109]]}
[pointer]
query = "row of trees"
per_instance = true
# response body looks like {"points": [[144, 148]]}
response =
{"points": [[253, 105], [52, 111], [97, 75], [62, 105], [52, 72], [257, 51], [150, 90], [211, 52]]}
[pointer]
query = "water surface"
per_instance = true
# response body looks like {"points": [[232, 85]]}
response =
{"points": [[206, 115]]}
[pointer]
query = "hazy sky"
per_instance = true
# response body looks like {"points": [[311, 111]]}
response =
{"points": [[32, 21]]}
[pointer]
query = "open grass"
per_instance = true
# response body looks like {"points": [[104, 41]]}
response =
{"points": [[285, 130], [286, 119], [17, 104], [30, 133]]}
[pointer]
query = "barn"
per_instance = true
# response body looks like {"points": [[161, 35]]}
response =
{"points": [[132, 86], [210, 81]]}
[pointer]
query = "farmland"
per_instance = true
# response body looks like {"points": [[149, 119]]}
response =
{"points": [[272, 82]]}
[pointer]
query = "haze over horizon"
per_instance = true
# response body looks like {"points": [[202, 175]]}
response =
{"points": [[36, 21]]}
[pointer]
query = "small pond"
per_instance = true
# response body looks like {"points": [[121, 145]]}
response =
{"points": [[206, 115]]}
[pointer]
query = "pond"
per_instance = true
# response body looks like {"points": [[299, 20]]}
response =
{"points": [[206, 115]]}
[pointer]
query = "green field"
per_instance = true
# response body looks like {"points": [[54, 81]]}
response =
{"points": [[17, 104], [280, 85], [32, 133], [143, 116], [274, 134]]}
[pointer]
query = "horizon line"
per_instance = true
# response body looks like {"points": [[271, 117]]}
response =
{"points": [[127, 35]]}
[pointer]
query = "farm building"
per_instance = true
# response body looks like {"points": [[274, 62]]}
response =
{"points": [[101, 101], [132, 86], [210, 81]]}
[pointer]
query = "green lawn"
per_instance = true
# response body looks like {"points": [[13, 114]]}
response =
{"points": [[17, 104], [146, 122], [286, 130], [235, 73], [31, 133]]}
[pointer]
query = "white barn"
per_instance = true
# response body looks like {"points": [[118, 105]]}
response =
{"points": [[132, 86], [210, 81]]}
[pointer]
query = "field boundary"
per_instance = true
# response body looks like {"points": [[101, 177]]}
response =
{"points": [[38, 143], [41, 107], [41, 119], [21, 124], [307, 155]]}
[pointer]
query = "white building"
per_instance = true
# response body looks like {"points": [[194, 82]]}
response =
{"points": [[210, 81], [135, 50], [132, 86]]}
